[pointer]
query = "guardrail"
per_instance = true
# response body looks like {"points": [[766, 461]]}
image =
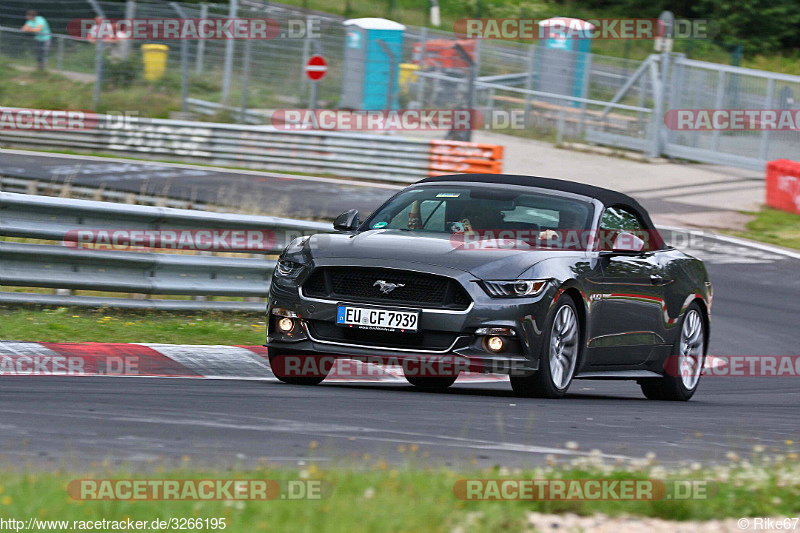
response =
{"points": [[379, 157], [29, 185], [74, 267]]}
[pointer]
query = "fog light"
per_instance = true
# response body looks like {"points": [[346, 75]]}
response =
{"points": [[495, 344], [286, 325]]}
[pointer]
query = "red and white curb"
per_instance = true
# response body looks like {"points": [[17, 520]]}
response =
{"points": [[176, 360]]}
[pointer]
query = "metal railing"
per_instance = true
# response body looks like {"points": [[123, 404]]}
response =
{"points": [[72, 267], [379, 157]]}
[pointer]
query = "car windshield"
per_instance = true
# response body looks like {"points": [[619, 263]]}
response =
{"points": [[486, 212]]}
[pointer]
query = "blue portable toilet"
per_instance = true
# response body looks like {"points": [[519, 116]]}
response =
{"points": [[368, 70], [564, 56]]}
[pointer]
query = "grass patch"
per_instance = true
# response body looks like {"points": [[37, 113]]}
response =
{"points": [[80, 325], [378, 497], [773, 226]]}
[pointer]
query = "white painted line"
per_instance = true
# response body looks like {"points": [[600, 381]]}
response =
{"points": [[215, 360], [742, 242], [25, 348]]}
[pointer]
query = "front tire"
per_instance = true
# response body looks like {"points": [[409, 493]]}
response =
{"points": [[685, 366], [560, 351], [279, 364]]}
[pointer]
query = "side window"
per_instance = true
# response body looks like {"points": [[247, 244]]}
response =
{"points": [[617, 219]]}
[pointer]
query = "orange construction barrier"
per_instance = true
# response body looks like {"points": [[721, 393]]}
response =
{"points": [[783, 185], [448, 157], [442, 53]]}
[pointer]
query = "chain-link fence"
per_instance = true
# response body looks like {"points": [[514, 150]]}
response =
{"points": [[561, 94]]}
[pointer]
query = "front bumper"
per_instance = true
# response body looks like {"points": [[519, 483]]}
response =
{"points": [[442, 332]]}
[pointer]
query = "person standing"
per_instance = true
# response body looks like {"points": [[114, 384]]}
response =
{"points": [[38, 25]]}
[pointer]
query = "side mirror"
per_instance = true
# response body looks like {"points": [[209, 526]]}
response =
{"points": [[627, 243], [347, 221]]}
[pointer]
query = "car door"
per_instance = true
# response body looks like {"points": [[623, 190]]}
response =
{"points": [[632, 296]]}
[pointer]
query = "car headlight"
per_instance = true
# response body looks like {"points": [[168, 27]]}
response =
{"points": [[287, 269], [519, 288]]}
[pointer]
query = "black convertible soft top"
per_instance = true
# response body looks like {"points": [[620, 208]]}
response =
{"points": [[606, 196]]}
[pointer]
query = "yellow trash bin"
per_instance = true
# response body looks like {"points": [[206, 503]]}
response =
{"points": [[155, 60], [408, 74]]}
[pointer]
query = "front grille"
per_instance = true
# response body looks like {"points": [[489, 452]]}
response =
{"points": [[357, 284], [423, 340]]}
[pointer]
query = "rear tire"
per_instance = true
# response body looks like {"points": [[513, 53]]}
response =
{"points": [[559, 355], [685, 366], [276, 354]]}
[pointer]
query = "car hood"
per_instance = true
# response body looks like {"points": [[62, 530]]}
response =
{"points": [[491, 260]]}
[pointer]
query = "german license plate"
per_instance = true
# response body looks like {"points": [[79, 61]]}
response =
{"points": [[377, 319]]}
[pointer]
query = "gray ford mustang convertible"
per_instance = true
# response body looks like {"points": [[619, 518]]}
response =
{"points": [[541, 279]]}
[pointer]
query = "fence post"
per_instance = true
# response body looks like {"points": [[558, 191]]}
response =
{"points": [[228, 69], [529, 82], [248, 46], [306, 54], [98, 73], [473, 74], [674, 93], [184, 61], [130, 12], [60, 52], [201, 43], [763, 146], [587, 69], [423, 40], [392, 67], [718, 105], [659, 88]]}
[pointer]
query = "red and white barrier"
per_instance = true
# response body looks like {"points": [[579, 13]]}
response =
{"points": [[783, 185], [175, 360]]}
